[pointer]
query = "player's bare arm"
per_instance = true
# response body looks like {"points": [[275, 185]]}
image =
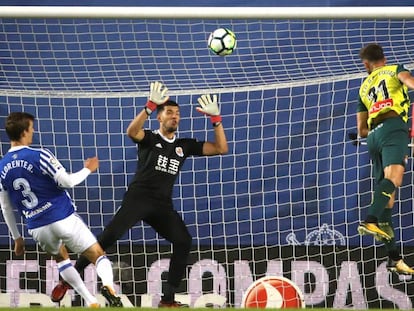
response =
{"points": [[406, 78], [209, 107], [91, 164], [362, 124], [19, 246], [158, 96], [219, 146], [135, 129]]}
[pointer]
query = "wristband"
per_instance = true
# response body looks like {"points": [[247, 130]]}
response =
{"points": [[150, 107], [215, 119]]}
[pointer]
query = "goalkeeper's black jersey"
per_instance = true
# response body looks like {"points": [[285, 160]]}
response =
{"points": [[159, 162]]}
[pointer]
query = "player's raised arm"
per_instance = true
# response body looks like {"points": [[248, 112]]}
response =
{"points": [[70, 180], [209, 106], [158, 96], [406, 78]]}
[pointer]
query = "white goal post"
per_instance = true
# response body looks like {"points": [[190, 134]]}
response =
{"points": [[285, 201], [207, 12]]}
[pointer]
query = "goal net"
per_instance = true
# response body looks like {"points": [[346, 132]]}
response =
{"points": [[285, 201]]}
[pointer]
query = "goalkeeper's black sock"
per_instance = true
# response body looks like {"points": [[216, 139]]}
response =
{"points": [[169, 293], [382, 195]]}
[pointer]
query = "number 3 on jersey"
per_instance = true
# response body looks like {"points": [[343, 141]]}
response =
{"points": [[30, 200]]}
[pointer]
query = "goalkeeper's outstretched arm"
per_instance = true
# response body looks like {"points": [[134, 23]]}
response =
{"points": [[209, 106], [158, 96]]}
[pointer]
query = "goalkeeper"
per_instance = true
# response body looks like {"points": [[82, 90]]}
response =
{"points": [[382, 117], [149, 196]]}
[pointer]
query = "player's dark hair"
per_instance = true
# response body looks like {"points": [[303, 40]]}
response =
{"points": [[372, 52], [167, 103], [17, 123]]}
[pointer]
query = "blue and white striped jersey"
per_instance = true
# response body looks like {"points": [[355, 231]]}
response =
{"points": [[29, 177]]}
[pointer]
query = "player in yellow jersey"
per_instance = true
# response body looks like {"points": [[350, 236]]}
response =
{"points": [[382, 117]]}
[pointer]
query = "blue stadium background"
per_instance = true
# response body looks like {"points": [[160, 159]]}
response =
{"points": [[264, 203]]}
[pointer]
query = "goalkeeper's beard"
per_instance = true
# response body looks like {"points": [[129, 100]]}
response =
{"points": [[170, 129]]}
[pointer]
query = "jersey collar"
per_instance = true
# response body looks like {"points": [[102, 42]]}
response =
{"points": [[12, 149], [166, 138]]}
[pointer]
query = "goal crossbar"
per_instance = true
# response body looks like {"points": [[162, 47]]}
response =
{"points": [[205, 12], [286, 199]]}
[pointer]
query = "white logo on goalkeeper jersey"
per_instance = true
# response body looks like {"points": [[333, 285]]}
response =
{"points": [[179, 151], [158, 145]]}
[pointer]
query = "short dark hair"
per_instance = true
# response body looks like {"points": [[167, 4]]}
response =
{"points": [[17, 123], [167, 103], [372, 52]]}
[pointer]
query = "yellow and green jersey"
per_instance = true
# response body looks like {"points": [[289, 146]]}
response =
{"points": [[382, 91]]}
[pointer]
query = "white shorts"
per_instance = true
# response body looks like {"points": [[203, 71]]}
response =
{"points": [[71, 231]]}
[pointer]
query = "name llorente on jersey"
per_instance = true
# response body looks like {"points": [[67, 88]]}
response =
{"points": [[16, 164], [167, 165]]}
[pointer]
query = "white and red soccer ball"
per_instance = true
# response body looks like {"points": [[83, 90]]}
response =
{"points": [[273, 292]]}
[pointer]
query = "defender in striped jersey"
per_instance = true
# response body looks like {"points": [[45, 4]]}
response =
{"points": [[33, 181]]}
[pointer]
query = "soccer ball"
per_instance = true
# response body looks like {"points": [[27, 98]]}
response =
{"points": [[222, 41]]}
